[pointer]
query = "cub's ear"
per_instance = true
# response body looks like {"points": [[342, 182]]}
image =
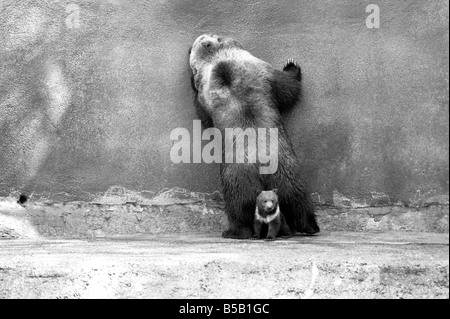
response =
{"points": [[275, 190]]}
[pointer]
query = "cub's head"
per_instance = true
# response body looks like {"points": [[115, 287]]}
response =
{"points": [[205, 48], [267, 202]]}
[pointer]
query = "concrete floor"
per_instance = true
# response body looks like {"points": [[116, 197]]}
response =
{"points": [[192, 265]]}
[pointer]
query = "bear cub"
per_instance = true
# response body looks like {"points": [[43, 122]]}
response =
{"points": [[268, 213]]}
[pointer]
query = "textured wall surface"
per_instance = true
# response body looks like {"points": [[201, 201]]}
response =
{"points": [[90, 91]]}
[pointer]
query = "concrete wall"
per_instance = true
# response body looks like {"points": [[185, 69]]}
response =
{"points": [[89, 103]]}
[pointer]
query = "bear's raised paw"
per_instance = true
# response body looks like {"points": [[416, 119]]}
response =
{"points": [[293, 68]]}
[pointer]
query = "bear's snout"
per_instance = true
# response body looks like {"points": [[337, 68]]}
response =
{"points": [[269, 205]]}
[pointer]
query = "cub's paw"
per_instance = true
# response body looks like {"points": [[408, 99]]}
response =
{"points": [[293, 68], [254, 237], [270, 239]]}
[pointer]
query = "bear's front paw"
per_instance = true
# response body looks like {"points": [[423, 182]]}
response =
{"points": [[293, 68], [270, 239], [254, 237]]}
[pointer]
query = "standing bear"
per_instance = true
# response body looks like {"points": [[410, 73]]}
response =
{"points": [[235, 90]]}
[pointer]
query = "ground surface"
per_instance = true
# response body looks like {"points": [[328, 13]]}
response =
{"points": [[192, 265]]}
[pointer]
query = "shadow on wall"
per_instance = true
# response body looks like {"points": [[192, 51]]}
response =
{"points": [[36, 100], [82, 99], [37, 94]]}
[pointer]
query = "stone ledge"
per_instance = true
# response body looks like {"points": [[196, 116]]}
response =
{"points": [[83, 219]]}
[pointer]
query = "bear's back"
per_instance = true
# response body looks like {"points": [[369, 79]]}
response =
{"points": [[237, 89]]}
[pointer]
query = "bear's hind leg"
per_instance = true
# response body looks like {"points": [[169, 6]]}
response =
{"points": [[296, 204], [311, 227], [241, 186], [240, 219], [285, 231]]}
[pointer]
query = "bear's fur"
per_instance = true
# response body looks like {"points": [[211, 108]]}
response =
{"points": [[234, 89], [269, 220]]}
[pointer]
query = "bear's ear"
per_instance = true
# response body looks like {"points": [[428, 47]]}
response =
{"points": [[275, 190]]}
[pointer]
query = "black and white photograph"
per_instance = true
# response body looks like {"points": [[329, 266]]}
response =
{"points": [[224, 156]]}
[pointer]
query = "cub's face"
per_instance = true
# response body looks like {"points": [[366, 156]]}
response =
{"points": [[267, 201], [205, 48]]}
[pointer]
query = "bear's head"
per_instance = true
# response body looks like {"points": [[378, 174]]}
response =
{"points": [[205, 48]]}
